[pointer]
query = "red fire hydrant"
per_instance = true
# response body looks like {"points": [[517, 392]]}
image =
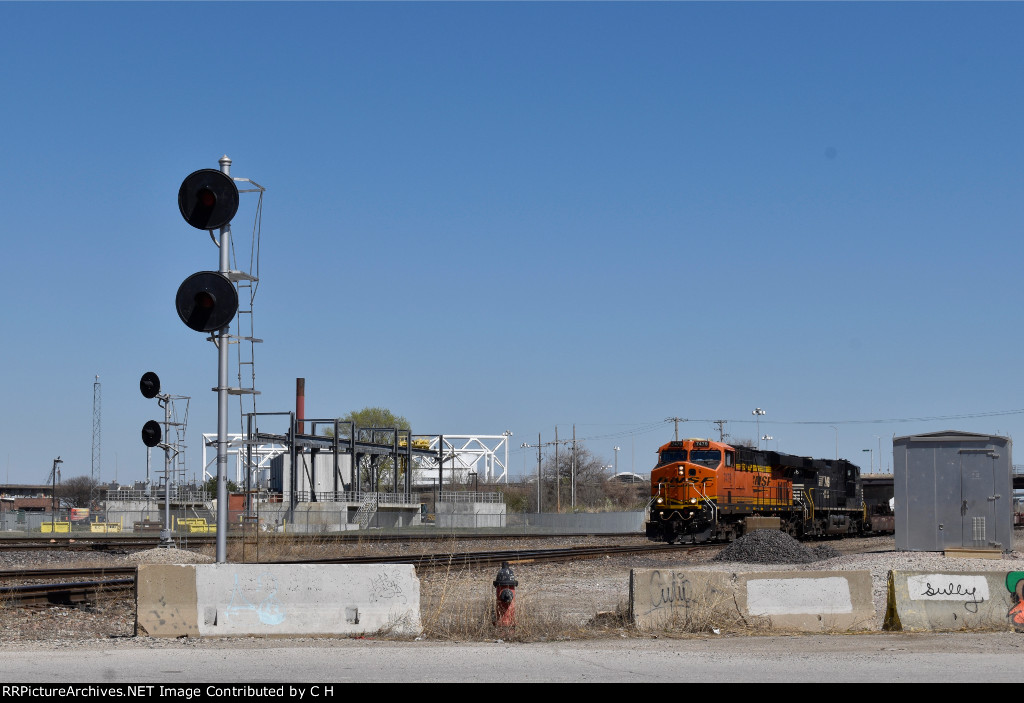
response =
{"points": [[505, 597]]}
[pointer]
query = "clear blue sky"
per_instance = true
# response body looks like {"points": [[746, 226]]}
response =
{"points": [[517, 216]]}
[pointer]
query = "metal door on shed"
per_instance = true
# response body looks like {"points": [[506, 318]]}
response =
{"points": [[979, 499], [928, 487]]}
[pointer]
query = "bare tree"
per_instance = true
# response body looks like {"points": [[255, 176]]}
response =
{"points": [[76, 492], [574, 464]]}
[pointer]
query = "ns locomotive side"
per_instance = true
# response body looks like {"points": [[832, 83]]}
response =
{"points": [[703, 490]]}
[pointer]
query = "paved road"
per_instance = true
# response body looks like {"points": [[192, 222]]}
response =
{"points": [[881, 657]]}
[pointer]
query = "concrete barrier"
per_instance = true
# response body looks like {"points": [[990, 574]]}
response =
{"points": [[219, 600], [804, 601], [942, 601]]}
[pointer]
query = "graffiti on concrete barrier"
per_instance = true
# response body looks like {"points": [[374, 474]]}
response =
{"points": [[669, 590], [969, 595], [1015, 585], [386, 587], [969, 589], [266, 608]]}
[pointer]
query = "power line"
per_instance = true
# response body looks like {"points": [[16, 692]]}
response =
{"points": [[884, 421], [653, 426]]}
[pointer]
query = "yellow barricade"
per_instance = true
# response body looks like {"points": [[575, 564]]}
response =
{"points": [[104, 527], [195, 525], [55, 527]]}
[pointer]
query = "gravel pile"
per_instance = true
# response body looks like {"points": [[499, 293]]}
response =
{"points": [[773, 547], [168, 555]]}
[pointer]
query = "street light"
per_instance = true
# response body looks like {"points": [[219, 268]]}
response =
{"points": [[758, 412], [767, 439], [538, 446]]}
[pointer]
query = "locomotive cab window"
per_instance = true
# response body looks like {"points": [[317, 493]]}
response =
{"points": [[670, 456], [710, 458]]}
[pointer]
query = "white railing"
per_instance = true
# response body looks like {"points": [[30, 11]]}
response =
{"points": [[470, 497]]}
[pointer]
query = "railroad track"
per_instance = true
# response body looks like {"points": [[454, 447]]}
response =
{"points": [[84, 584], [85, 542]]}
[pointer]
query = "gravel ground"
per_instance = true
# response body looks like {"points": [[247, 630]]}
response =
{"points": [[566, 600]]}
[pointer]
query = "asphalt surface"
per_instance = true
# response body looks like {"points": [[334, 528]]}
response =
{"points": [[876, 658]]}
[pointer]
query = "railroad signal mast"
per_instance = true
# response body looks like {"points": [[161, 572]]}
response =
{"points": [[153, 434], [207, 301]]}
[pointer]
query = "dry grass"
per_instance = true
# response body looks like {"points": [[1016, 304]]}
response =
{"points": [[456, 606]]}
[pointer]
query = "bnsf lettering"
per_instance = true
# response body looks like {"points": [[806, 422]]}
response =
{"points": [[753, 467]]}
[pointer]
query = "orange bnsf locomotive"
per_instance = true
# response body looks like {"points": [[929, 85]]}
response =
{"points": [[704, 490]]}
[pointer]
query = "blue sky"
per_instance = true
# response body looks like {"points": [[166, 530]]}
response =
{"points": [[517, 216]]}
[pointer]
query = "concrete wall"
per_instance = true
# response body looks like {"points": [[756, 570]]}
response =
{"points": [[218, 600], [469, 515], [805, 601], [334, 517], [923, 600], [596, 523]]}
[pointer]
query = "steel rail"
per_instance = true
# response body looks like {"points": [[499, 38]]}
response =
{"points": [[82, 591], [83, 543], [64, 593]]}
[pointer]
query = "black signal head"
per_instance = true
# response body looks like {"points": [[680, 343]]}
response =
{"points": [[206, 301], [151, 433], [149, 385], [208, 199]]}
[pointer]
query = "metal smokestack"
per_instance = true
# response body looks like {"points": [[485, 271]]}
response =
{"points": [[300, 405]]}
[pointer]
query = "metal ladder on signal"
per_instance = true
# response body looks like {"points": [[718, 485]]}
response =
{"points": [[245, 339], [367, 510]]}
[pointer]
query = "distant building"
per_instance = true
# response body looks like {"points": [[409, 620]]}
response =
{"points": [[628, 477]]}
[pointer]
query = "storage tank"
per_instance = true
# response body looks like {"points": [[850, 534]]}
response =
{"points": [[312, 475]]}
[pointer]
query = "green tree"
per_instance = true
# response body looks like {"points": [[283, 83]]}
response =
{"points": [[377, 425], [210, 486]]}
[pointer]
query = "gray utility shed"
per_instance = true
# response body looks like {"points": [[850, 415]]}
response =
{"points": [[953, 489]]}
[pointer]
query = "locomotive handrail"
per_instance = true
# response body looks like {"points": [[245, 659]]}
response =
{"points": [[702, 494], [810, 499]]}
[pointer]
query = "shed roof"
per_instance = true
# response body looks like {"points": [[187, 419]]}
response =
{"points": [[951, 436]]}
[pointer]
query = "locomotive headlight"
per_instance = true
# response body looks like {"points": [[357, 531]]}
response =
{"points": [[693, 500], [660, 500]]}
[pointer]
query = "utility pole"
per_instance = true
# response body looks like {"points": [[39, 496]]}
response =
{"points": [[558, 477], [573, 495], [676, 420], [96, 431], [539, 508], [539, 444], [721, 429], [54, 476]]}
